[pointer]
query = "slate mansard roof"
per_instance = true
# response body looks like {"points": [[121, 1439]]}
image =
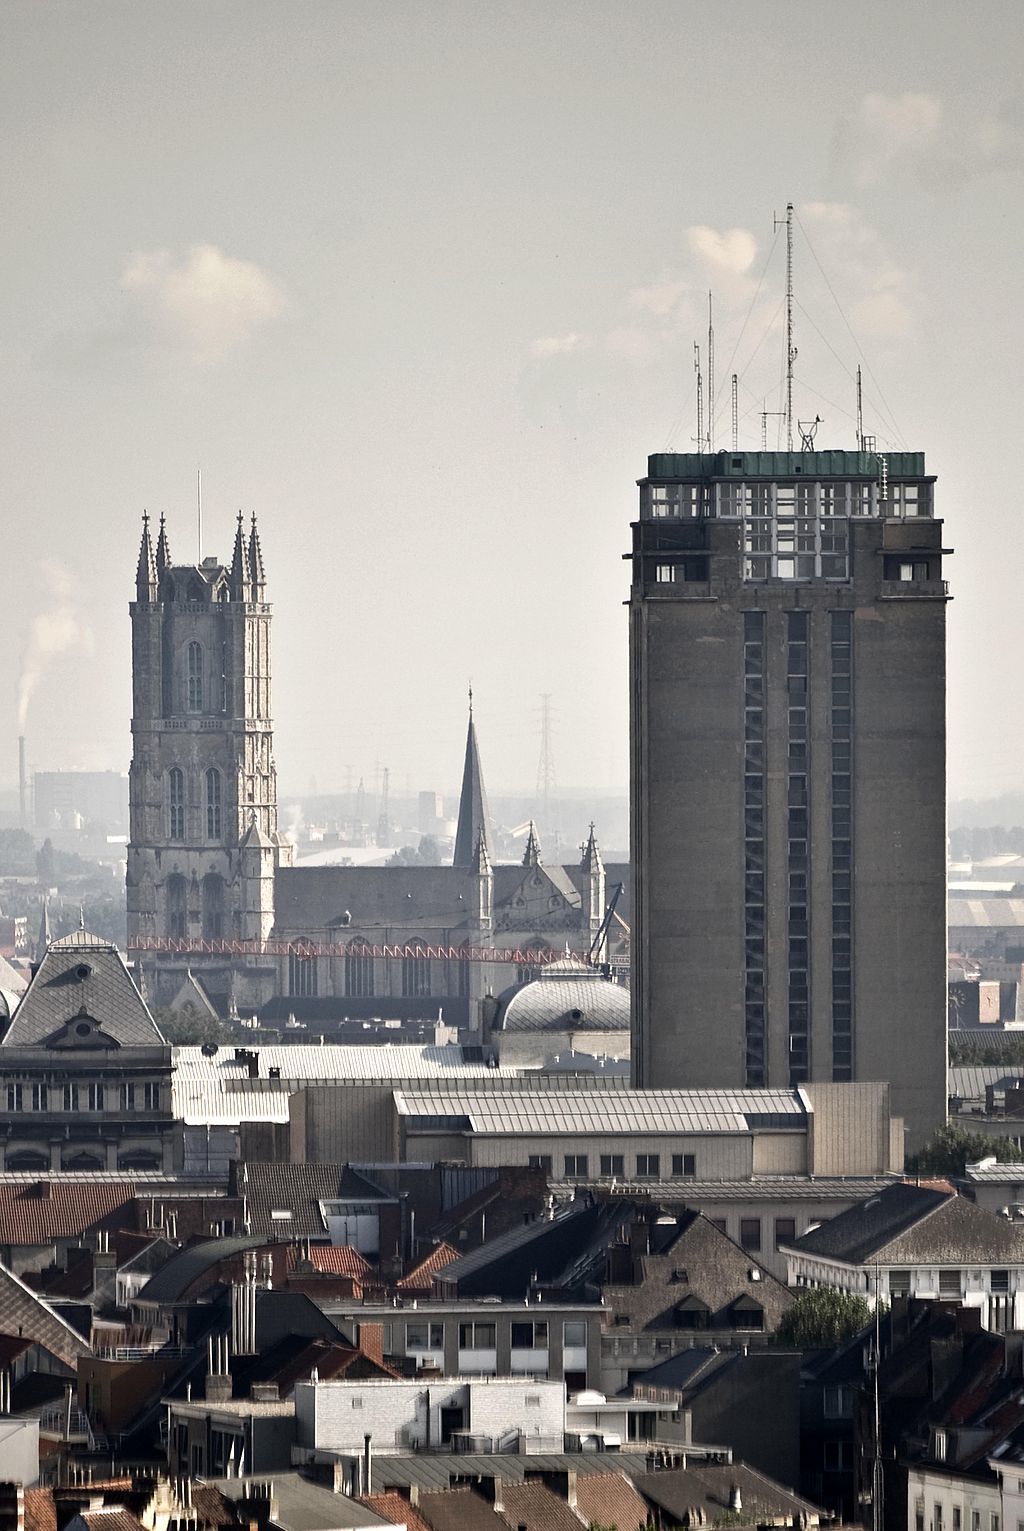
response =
{"points": [[913, 1225], [82, 976]]}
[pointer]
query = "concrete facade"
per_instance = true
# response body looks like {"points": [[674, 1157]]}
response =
{"points": [[787, 619]]}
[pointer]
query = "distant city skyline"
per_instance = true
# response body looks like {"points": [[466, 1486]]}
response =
{"points": [[427, 332]]}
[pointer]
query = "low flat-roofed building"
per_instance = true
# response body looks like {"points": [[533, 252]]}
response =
{"points": [[596, 1133]]}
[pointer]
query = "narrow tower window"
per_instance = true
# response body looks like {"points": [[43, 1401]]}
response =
{"points": [[176, 804], [195, 677], [213, 907], [177, 916], [213, 814]]}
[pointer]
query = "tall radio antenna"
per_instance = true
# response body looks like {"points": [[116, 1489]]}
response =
{"points": [[735, 412], [700, 397], [790, 347], [711, 378], [860, 414], [199, 511]]}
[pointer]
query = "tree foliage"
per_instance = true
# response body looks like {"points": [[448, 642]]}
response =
{"points": [[954, 1146], [823, 1316], [190, 1028], [427, 853]]}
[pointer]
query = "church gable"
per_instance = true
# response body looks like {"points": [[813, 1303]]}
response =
{"points": [[82, 995], [538, 897]]}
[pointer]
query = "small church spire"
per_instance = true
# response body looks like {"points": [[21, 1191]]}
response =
{"points": [[259, 581], [145, 574], [163, 550], [590, 860], [473, 816], [531, 855], [44, 937], [240, 571]]}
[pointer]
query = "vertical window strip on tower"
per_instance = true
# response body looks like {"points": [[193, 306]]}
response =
{"points": [[175, 804], [798, 857], [213, 810], [754, 846], [195, 677], [842, 843]]}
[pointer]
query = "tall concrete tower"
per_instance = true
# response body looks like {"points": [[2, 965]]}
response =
{"points": [[788, 747], [204, 840]]}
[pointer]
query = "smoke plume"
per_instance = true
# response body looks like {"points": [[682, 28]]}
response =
{"points": [[56, 630]]}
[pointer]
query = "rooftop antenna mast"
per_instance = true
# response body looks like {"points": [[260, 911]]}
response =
{"points": [[711, 378], [790, 348], [700, 396], [199, 510], [735, 413], [860, 413]]}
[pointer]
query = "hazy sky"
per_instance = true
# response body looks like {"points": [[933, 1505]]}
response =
{"points": [[419, 284]]}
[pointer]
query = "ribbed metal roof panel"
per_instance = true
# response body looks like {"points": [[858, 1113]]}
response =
{"points": [[601, 1111]]}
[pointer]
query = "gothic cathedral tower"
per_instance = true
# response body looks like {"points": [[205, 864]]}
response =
{"points": [[204, 843]]}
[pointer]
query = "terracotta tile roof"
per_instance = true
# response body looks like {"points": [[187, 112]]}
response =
{"points": [[332, 1259], [45, 1210], [212, 1508], [609, 1499], [40, 1510], [534, 1506], [421, 1277], [391, 1506]]}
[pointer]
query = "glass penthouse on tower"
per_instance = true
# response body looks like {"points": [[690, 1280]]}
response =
{"points": [[787, 638]]}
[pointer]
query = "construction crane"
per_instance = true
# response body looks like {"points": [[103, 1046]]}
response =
{"points": [[196, 946]]}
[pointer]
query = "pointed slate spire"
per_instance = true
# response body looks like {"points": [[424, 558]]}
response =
{"points": [[145, 574], [44, 937], [259, 580], [240, 573], [591, 857], [473, 817], [531, 855], [481, 858], [163, 550]]}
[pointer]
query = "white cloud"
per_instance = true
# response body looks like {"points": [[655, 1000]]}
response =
{"points": [[731, 251], [556, 345], [206, 303], [659, 298], [910, 135], [882, 297]]}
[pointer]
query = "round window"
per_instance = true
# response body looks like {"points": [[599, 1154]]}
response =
{"points": [[82, 1029]]}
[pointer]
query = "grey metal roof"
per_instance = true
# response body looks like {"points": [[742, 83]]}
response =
{"points": [[436, 1470], [969, 1081], [82, 975], [995, 1174], [172, 1280], [990, 913], [757, 1188], [219, 1089], [564, 1001], [600, 1111], [305, 1506]]}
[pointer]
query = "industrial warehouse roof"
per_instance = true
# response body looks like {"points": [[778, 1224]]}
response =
{"points": [[757, 1188], [996, 913], [219, 1089], [82, 995], [604, 1111]]}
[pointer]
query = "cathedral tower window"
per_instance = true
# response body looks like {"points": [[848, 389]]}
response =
{"points": [[177, 917], [213, 906], [213, 814], [176, 803], [195, 677], [302, 970]]}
